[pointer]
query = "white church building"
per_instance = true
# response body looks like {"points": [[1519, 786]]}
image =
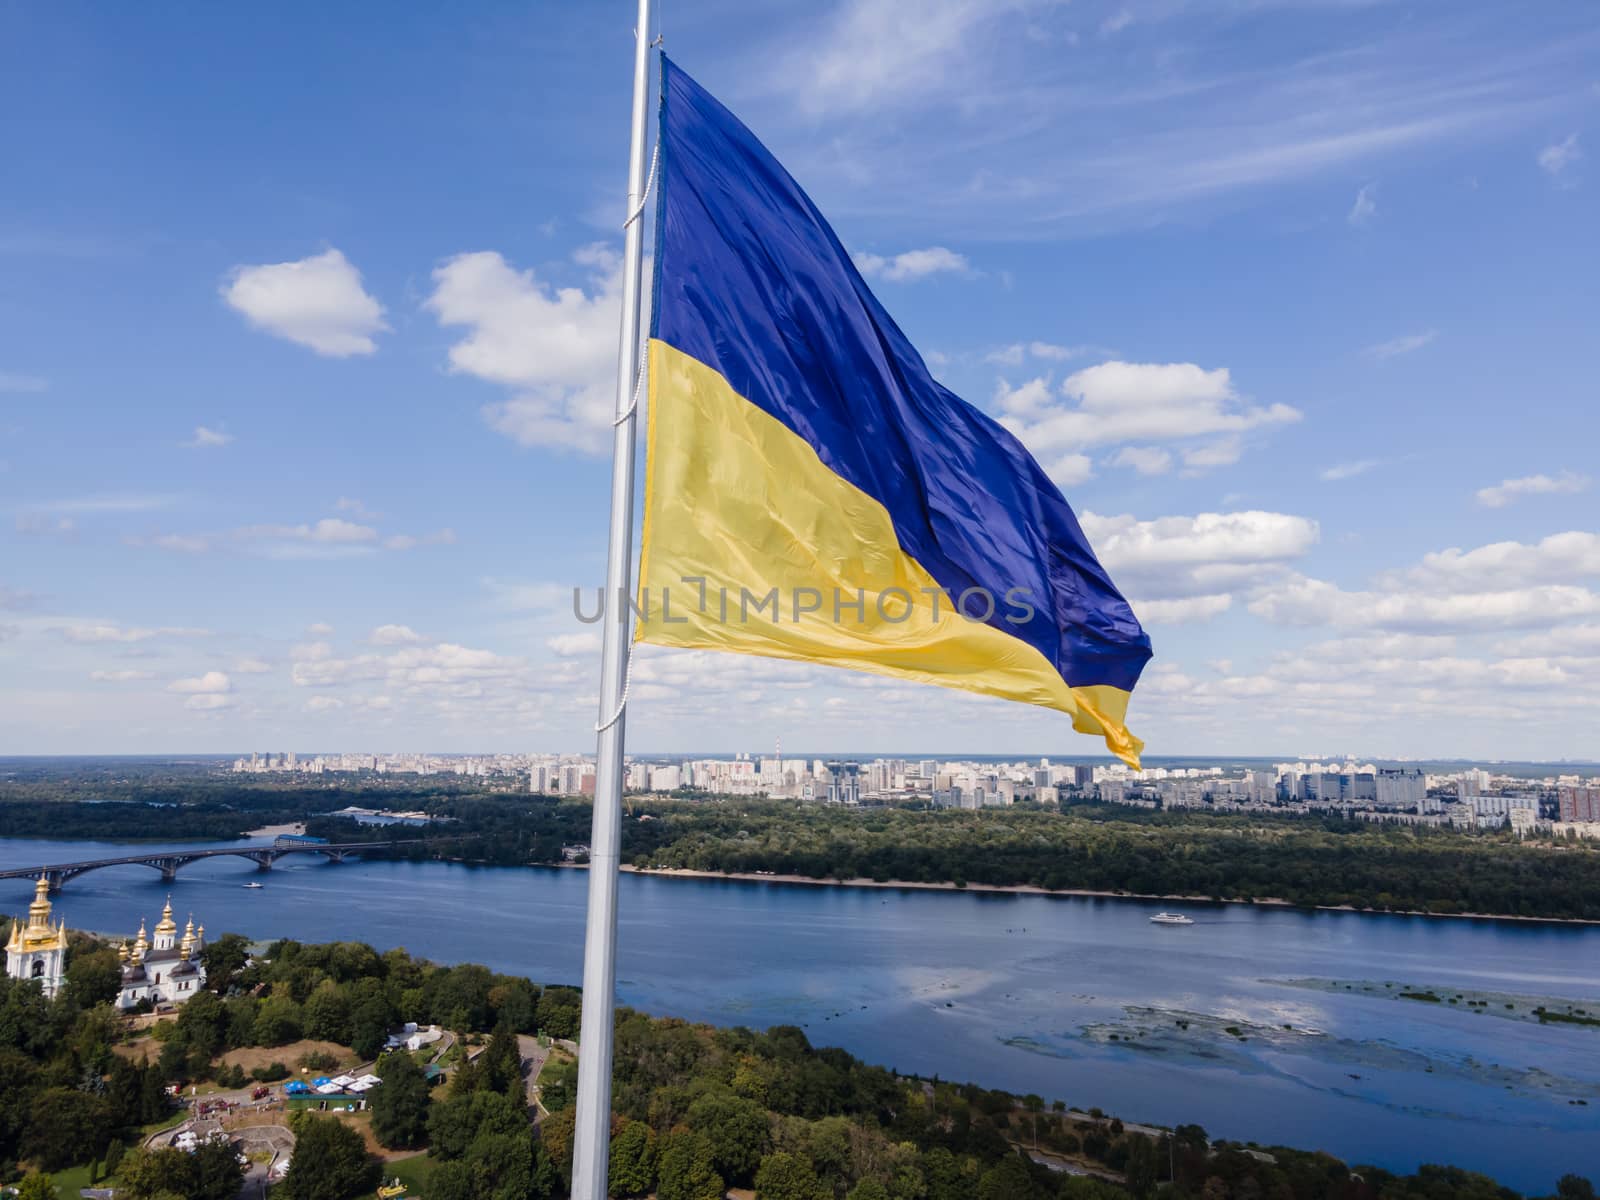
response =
{"points": [[162, 969], [38, 950]]}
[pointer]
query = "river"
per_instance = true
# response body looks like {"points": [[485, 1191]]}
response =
{"points": [[1267, 1024]]}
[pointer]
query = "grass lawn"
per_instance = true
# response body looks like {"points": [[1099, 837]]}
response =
{"points": [[71, 1181], [414, 1172], [174, 1118]]}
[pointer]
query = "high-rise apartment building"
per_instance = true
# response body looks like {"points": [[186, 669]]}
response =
{"points": [[1579, 803]]}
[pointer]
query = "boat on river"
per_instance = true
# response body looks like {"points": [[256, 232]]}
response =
{"points": [[1166, 918]]}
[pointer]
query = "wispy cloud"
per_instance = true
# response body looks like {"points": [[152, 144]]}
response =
{"points": [[912, 264], [1395, 347], [1019, 137], [92, 633], [1015, 354], [123, 676], [1365, 206], [1568, 483], [105, 502], [330, 537], [1556, 158], [205, 438], [1347, 470]]}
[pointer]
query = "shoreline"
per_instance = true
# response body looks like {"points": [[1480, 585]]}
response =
{"points": [[1028, 889]]}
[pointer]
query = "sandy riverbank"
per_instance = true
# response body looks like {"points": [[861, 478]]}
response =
{"points": [[1023, 889]]}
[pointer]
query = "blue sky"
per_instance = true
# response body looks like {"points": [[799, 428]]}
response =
{"points": [[307, 332]]}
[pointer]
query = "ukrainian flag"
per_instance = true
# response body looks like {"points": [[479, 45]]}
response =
{"points": [[812, 493]]}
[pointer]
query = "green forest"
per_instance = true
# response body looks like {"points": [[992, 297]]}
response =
{"points": [[1098, 848], [697, 1109], [1293, 858]]}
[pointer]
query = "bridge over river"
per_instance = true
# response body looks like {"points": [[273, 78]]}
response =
{"points": [[169, 861]]}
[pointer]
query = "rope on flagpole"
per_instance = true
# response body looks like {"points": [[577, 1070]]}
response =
{"points": [[622, 704], [625, 414], [638, 386], [644, 198]]}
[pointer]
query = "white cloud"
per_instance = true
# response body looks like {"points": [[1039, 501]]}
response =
{"points": [[1365, 206], [106, 502], [11, 381], [206, 437], [1347, 470], [1503, 493], [319, 629], [311, 651], [1395, 347], [571, 645], [1135, 402], [335, 531], [1147, 460], [1116, 22], [125, 676], [555, 348], [446, 667], [1181, 612], [1573, 639], [211, 683], [251, 666], [875, 53], [394, 635], [1202, 558], [1054, 353], [330, 537], [90, 633], [1501, 586], [1555, 158], [1017, 352], [208, 701], [1221, 453], [1069, 470], [1561, 558], [351, 505], [1314, 602], [317, 302], [324, 704], [912, 264]]}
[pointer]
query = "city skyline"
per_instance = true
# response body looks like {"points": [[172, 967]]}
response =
{"points": [[301, 421]]}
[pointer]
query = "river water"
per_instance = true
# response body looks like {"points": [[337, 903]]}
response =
{"points": [[1266, 1024]]}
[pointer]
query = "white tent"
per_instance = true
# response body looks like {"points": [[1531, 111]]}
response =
{"points": [[329, 1089], [344, 1080]]}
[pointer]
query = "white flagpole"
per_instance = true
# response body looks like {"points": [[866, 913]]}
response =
{"points": [[592, 1143]]}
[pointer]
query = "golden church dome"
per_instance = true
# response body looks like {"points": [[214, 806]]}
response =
{"points": [[167, 925]]}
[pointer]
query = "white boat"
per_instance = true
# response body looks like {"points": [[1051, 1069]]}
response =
{"points": [[254, 885], [1166, 918]]}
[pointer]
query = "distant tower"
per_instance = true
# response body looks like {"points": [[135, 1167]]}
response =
{"points": [[38, 951]]}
